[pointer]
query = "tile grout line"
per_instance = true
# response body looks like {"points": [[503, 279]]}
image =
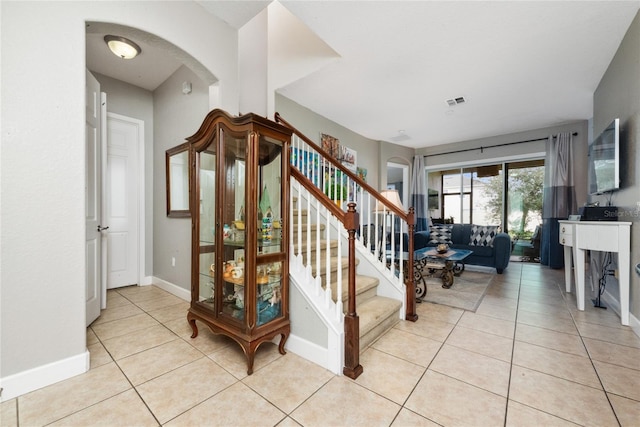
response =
{"points": [[586, 349], [588, 355], [125, 375], [425, 372], [512, 364], [513, 349]]}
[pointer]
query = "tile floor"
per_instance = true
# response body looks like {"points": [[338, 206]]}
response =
{"points": [[527, 357]]}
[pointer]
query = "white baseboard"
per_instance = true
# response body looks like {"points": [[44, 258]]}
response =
{"points": [[172, 288], [146, 281], [634, 324], [614, 305], [33, 379], [307, 350]]}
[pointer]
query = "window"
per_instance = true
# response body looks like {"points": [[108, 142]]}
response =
{"points": [[476, 195]]}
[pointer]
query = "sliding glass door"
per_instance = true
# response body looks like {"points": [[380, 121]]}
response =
{"points": [[505, 194], [524, 207]]}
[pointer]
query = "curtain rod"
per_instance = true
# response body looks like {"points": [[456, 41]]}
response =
{"points": [[481, 148]]}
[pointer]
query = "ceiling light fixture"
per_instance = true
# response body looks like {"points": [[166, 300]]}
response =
{"points": [[122, 47]]}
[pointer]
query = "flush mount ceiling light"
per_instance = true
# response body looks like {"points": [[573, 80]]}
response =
{"points": [[122, 47]]}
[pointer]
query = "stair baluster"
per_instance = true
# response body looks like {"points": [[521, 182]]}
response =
{"points": [[310, 167]]}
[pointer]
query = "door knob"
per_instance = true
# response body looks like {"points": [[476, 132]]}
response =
{"points": [[101, 228]]}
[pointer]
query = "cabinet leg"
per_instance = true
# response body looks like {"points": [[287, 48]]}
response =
{"points": [[283, 340], [250, 358], [194, 327]]}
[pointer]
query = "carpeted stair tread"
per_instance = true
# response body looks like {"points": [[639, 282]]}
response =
{"points": [[323, 245], [376, 315], [333, 266], [311, 227], [363, 284]]}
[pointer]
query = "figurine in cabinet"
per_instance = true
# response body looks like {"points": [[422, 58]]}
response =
{"points": [[243, 169]]}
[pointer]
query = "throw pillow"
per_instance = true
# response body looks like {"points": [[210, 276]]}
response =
{"points": [[440, 234], [482, 235]]}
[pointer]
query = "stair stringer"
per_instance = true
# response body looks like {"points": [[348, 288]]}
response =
{"points": [[322, 339]]}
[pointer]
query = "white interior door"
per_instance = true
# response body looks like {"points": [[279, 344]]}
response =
{"points": [[124, 137], [93, 209]]}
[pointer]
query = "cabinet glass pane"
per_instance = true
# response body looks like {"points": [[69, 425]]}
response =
{"points": [[270, 186], [269, 292], [206, 207], [233, 289], [206, 278], [207, 196], [233, 217]]}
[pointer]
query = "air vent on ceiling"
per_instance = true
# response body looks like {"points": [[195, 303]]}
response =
{"points": [[455, 101]]}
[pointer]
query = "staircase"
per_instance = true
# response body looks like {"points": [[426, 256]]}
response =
{"points": [[345, 290], [377, 313]]}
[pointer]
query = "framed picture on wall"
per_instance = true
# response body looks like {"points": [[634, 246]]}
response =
{"points": [[330, 144], [348, 158], [362, 174]]}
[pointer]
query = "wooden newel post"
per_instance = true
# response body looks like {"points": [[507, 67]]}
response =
{"points": [[410, 282], [352, 367]]}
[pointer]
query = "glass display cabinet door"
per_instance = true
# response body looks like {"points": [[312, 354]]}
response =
{"points": [[206, 210], [270, 202], [270, 254], [269, 292], [233, 290]]}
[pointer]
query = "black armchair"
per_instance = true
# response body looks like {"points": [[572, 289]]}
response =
{"points": [[531, 248]]}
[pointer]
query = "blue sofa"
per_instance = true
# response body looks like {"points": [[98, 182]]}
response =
{"points": [[490, 251]]}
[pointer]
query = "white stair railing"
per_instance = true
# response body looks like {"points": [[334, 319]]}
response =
{"points": [[315, 180], [381, 231]]}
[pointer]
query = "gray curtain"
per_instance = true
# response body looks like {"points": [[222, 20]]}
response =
{"points": [[419, 194], [559, 196]]}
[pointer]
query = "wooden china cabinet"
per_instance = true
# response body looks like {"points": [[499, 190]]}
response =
{"points": [[239, 201]]}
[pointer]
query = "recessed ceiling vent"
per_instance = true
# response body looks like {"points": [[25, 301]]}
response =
{"points": [[455, 101]]}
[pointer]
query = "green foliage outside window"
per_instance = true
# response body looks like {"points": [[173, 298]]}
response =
{"points": [[527, 184]]}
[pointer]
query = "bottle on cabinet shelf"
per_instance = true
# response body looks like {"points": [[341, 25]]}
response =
{"points": [[267, 225]]}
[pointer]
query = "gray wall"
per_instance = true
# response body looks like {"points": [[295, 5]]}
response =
{"points": [[312, 125], [135, 102], [42, 214], [177, 116], [618, 96]]}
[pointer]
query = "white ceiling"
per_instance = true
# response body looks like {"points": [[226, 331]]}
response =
{"points": [[519, 65]]}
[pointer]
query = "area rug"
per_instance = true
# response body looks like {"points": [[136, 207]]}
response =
{"points": [[466, 293]]}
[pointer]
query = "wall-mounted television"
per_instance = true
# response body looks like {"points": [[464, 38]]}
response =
{"points": [[604, 160]]}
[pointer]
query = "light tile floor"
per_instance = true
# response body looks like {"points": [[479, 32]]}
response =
{"points": [[526, 357]]}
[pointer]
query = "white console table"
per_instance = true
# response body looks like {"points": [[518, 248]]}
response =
{"points": [[604, 236]]}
